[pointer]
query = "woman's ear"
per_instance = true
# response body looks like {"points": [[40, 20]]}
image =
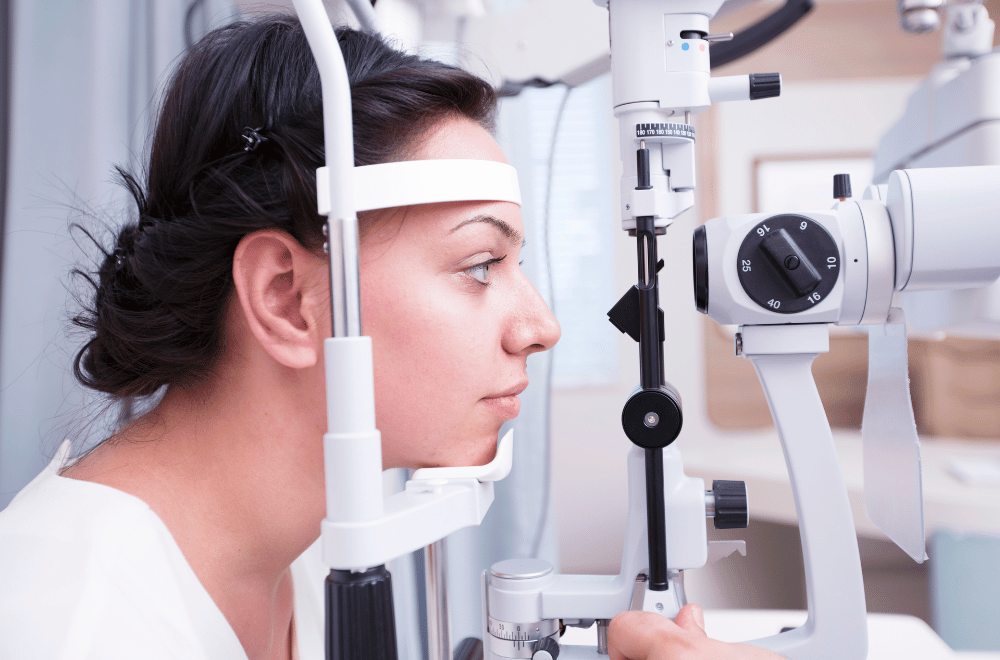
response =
{"points": [[280, 286]]}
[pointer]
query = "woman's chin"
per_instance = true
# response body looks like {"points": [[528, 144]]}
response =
{"points": [[462, 453], [478, 451]]}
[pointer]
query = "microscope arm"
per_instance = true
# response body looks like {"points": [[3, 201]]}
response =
{"points": [[837, 626]]}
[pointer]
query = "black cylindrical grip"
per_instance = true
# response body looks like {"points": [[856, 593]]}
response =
{"points": [[360, 623], [730, 504], [764, 85], [841, 186], [642, 169]]}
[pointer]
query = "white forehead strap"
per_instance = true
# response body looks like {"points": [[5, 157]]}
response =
{"points": [[410, 182]]}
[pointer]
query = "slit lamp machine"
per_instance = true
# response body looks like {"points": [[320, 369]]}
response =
{"points": [[783, 278]]}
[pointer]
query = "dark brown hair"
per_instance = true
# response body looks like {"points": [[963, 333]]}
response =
{"points": [[160, 294]]}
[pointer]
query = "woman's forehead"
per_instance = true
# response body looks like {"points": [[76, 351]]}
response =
{"points": [[461, 138]]}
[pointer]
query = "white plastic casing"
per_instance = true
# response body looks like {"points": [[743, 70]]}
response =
{"points": [[353, 447], [729, 304], [604, 596], [837, 624], [668, 152], [946, 225], [657, 77], [862, 294], [729, 88], [518, 600], [878, 260], [650, 61]]}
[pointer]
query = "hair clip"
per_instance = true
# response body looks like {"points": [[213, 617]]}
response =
{"points": [[252, 138], [119, 258]]}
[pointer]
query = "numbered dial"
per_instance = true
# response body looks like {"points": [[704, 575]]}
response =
{"points": [[788, 263], [518, 640]]}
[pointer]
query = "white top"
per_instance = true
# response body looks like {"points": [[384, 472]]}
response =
{"points": [[90, 572]]}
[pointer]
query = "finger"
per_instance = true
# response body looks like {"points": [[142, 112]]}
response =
{"points": [[635, 635], [691, 619]]}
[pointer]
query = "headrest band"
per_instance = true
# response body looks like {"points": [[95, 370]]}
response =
{"points": [[410, 182]]}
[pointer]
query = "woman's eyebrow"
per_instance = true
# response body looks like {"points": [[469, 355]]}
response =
{"points": [[508, 231]]}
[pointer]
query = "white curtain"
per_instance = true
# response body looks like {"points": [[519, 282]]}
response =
{"points": [[84, 76]]}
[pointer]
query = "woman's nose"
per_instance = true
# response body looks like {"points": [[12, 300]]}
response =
{"points": [[533, 327]]}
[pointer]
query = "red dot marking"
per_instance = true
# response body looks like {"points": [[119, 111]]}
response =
{"points": [[702, 47]]}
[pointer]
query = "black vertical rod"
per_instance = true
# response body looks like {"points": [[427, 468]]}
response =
{"points": [[651, 378], [650, 349], [656, 521]]}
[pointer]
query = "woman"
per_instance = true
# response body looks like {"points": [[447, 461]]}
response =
{"points": [[182, 535]]}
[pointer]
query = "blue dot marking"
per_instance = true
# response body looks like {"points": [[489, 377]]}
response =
{"points": [[685, 46]]}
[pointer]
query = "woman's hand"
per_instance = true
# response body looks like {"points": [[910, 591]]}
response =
{"points": [[649, 636]]}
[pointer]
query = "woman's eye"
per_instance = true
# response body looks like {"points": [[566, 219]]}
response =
{"points": [[481, 272]]}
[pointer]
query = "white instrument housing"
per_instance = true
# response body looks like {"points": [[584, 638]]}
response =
{"points": [[524, 598], [937, 229]]}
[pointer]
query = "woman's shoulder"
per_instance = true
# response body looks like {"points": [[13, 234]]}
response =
{"points": [[66, 523], [88, 568]]}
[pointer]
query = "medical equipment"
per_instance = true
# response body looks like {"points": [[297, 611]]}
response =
{"points": [[362, 530], [952, 120], [524, 598], [660, 74], [782, 278]]}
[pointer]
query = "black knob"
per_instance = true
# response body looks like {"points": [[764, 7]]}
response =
{"points": [[642, 167], [652, 419], [787, 256], [547, 648], [764, 85], [730, 504], [841, 186], [787, 263], [360, 623]]}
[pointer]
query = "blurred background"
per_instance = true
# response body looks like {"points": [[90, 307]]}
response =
{"points": [[78, 86]]}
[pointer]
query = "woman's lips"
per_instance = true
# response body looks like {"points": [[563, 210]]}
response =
{"points": [[506, 404], [506, 407]]}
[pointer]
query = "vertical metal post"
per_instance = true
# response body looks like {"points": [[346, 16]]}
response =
{"points": [[436, 590], [602, 636]]}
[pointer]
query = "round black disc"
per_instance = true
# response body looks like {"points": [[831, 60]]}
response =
{"points": [[652, 419], [788, 263]]}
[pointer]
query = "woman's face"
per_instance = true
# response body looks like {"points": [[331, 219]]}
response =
{"points": [[451, 316]]}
